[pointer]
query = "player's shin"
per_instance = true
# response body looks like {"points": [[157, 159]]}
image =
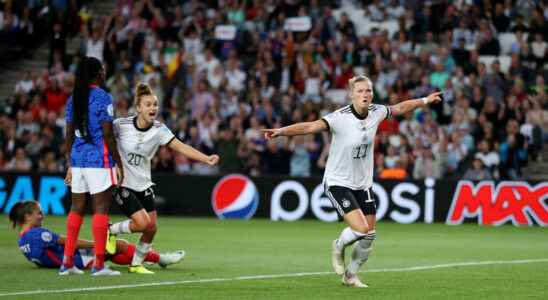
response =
{"points": [[360, 254], [99, 225], [74, 222], [140, 253], [347, 237]]}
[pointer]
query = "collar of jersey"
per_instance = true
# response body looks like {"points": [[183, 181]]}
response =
{"points": [[356, 114], [24, 231], [141, 129]]}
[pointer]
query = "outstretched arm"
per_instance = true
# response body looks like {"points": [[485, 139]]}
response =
{"points": [[192, 153], [80, 244], [121, 245], [296, 129], [410, 105]]}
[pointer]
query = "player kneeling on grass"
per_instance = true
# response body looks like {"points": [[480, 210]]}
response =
{"points": [[45, 248], [139, 137], [348, 176]]}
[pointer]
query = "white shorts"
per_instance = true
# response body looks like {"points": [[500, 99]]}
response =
{"points": [[92, 180]]}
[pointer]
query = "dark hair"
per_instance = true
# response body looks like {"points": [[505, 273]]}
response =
{"points": [[20, 210], [87, 72], [142, 89]]}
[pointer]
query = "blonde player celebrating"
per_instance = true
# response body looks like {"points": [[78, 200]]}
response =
{"points": [[348, 176], [138, 140]]}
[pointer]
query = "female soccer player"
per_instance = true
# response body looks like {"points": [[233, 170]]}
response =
{"points": [[91, 169], [45, 248], [348, 176], [138, 140]]}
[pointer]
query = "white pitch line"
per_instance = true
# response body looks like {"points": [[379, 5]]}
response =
{"points": [[273, 276]]}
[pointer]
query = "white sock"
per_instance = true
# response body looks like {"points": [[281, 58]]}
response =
{"points": [[140, 253], [348, 237], [361, 252], [120, 227]]}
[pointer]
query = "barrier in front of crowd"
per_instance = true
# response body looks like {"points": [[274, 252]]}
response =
{"points": [[282, 198]]}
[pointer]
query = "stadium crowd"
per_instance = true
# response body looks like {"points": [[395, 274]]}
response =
{"points": [[24, 25], [217, 92]]}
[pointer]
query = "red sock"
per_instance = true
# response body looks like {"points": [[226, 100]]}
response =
{"points": [[152, 256], [74, 221], [99, 226], [124, 258]]}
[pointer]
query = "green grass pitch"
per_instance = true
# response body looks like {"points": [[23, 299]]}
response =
{"points": [[219, 253]]}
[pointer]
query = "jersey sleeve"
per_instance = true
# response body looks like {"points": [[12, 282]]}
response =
{"points": [[68, 111], [116, 128], [166, 135], [383, 112], [332, 120], [105, 110]]}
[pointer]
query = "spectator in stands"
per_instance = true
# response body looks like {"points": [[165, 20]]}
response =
{"points": [[513, 151], [20, 162], [49, 163], [260, 78], [477, 172], [26, 84], [300, 159]]}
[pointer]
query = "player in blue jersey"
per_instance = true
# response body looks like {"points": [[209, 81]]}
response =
{"points": [[45, 248], [91, 170]]}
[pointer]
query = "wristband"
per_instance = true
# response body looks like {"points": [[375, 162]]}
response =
{"points": [[424, 100]]}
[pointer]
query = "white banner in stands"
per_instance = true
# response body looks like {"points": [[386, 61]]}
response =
{"points": [[298, 24], [225, 32]]}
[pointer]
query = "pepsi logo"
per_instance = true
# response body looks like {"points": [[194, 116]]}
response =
{"points": [[235, 197]]}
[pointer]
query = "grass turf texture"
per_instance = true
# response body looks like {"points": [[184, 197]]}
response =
{"points": [[229, 249]]}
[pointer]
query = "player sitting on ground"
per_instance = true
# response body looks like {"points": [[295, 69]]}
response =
{"points": [[45, 248]]}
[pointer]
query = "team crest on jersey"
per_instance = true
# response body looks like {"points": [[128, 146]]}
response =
{"points": [[46, 236], [346, 203]]}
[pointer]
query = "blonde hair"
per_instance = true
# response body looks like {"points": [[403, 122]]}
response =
{"points": [[141, 90], [352, 81]]}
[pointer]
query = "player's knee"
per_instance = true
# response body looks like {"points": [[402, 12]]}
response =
{"points": [[361, 229], [141, 225]]}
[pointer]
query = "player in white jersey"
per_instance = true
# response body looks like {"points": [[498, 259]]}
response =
{"points": [[348, 176], [138, 140]]}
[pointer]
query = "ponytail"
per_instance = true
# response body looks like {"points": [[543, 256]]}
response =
{"points": [[141, 90], [86, 73]]}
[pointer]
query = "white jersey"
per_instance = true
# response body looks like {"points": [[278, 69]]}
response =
{"points": [[350, 160], [137, 147]]}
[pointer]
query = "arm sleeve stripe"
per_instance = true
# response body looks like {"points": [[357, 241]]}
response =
{"points": [[326, 124], [170, 140], [388, 112]]}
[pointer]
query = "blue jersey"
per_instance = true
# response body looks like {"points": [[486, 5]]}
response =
{"points": [[94, 154], [39, 245]]}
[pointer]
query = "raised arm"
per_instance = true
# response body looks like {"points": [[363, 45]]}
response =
{"points": [[192, 153], [296, 129], [410, 105]]}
